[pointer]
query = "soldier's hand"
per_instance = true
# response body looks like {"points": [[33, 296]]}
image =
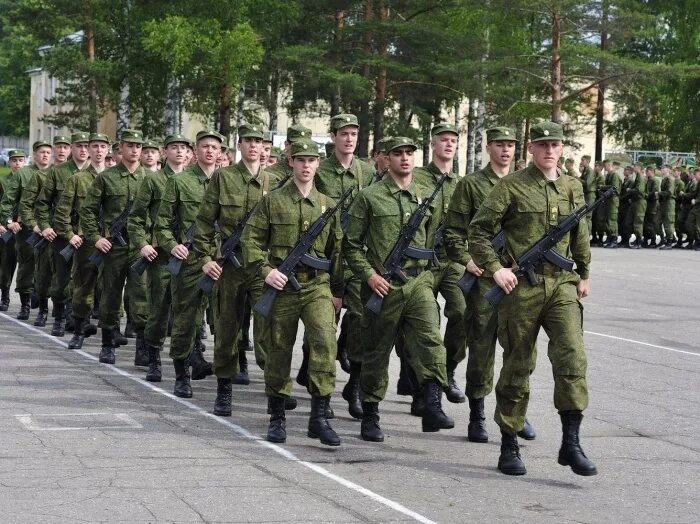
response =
{"points": [[276, 279], [15, 227], [583, 288], [180, 252], [36, 230], [103, 245], [212, 270], [378, 284], [49, 234], [76, 241], [149, 253], [3, 230], [337, 303], [474, 269], [505, 279]]}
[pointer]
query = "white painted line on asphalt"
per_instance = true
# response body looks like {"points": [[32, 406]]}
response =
{"points": [[240, 430], [643, 343], [33, 421]]}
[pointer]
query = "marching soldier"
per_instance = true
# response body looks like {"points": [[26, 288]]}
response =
{"points": [[681, 212], [282, 169], [150, 155], [692, 223], [651, 214], [599, 218], [667, 207], [8, 255], [625, 201], [589, 182], [637, 195], [612, 180]]}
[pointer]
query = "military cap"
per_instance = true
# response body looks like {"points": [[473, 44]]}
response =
{"points": [[275, 152], [150, 144], [616, 163], [586, 157], [98, 137], [343, 120], [546, 131], [40, 143], [304, 147], [209, 133], [443, 127], [598, 163], [176, 139], [399, 141], [15, 153], [380, 146], [132, 135], [79, 136], [267, 136], [297, 132], [666, 165], [61, 139], [500, 134], [607, 160], [224, 148], [251, 131], [651, 166], [639, 164], [115, 146]]}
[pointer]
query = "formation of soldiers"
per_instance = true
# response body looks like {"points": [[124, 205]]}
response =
{"points": [[177, 236]]}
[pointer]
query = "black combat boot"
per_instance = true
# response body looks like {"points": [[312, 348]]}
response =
{"points": [[222, 404], [571, 453], [434, 418], [636, 244], [107, 353], [318, 424], [510, 462], [528, 432], [290, 404], [476, 430], [418, 403], [404, 385], [351, 391], [303, 374], [118, 338], [23, 306], [452, 391], [59, 320], [341, 354], [76, 342], [33, 300], [89, 328], [666, 245], [276, 431], [611, 244], [5, 299], [201, 369], [691, 244], [182, 379], [242, 378], [155, 371], [129, 331], [70, 325], [370, 430], [43, 313], [141, 354]]}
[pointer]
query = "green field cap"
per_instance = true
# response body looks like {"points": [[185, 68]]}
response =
{"points": [[400, 141], [443, 127], [99, 137], [176, 139], [267, 136], [297, 132], [151, 144], [546, 131], [380, 146], [40, 143], [79, 136], [343, 120], [275, 152], [209, 133], [132, 135], [304, 147], [61, 139], [14, 153], [251, 131], [500, 133]]}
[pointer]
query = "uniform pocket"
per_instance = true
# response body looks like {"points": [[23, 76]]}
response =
{"points": [[231, 209]]}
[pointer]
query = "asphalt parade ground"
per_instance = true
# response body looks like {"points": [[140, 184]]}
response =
{"points": [[87, 442]]}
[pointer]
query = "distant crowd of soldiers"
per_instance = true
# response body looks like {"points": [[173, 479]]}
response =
{"points": [[177, 237]]}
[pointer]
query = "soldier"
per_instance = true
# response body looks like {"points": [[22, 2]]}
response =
{"points": [[524, 206], [278, 221], [612, 180], [275, 154], [681, 210], [178, 209], [599, 218], [382, 159], [569, 168], [667, 207], [341, 170], [650, 217], [116, 154], [44, 210], [692, 223], [223, 159], [111, 193], [446, 273], [481, 319], [150, 155], [61, 149], [232, 193], [625, 200], [266, 148], [66, 222], [282, 169], [141, 227], [376, 218], [637, 196], [590, 185], [41, 154], [9, 217]]}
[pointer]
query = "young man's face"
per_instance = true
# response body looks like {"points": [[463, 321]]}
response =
{"points": [[98, 151], [60, 152], [304, 167], [265, 153], [445, 146], [501, 152], [80, 152], [16, 162], [401, 161], [345, 140], [176, 153], [546, 153], [130, 152], [150, 157], [208, 149], [250, 148], [42, 156]]}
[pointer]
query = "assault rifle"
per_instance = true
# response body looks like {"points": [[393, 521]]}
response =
{"points": [[37, 241], [403, 248], [67, 252], [543, 250], [7, 235], [466, 283], [116, 232], [174, 263], [299, 255]]}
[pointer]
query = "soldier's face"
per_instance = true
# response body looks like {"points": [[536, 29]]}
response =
{"points": [[501, 152], [130, 152], [208, 150], [272, 160], [401, 161], [265, 153], [304, 168], [222, 160], [546, 153], [80, 152], [98, 151], [42, 156], [150, 156], [60, 152], [109, 162], [345, 140], [251, 148], [176, 153], [16, 162], [665, 171], [382, 162], [445, 146]]}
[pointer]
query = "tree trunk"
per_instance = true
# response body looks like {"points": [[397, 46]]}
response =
{"points": [[92, 97], [339, 24], [479, 134], [526, 138], [363, 116], [556, 66], [471, 127], [600, 100], [273, 95], [455, 163], [224, 113], [380, 79]]}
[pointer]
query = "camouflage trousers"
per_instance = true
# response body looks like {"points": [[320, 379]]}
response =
{"points": [[61, 280], [43, 270], [445, 278], [554, 306], [651, 220], [611, 216], [410, 309], [8, 263], [118, 277], [158, 300], [312, 305], [84, 282], [667, 215], [692, 223], [590, 198], [188, 305], [634, 220], [25, 262], [352, 302]]}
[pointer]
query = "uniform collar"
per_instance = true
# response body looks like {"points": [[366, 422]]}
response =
{"points": [[394, 188], [435, 171], [538, 176], [201, 175], [248, 175], [297, 197], [339, 169], [491, 175], [123, 171]]}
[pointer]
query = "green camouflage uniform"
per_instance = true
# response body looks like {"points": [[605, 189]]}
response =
{"points": [[599, 217], [43, 265], [625, 199], [8, 256], [178, 208], [376, 218], [637, 195], [612, 180], [692, 223], [589, 181], [113, 191], [525, 205], [282, 216], [232, 192], [681, 208], [667, 206], [652, 211]]}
